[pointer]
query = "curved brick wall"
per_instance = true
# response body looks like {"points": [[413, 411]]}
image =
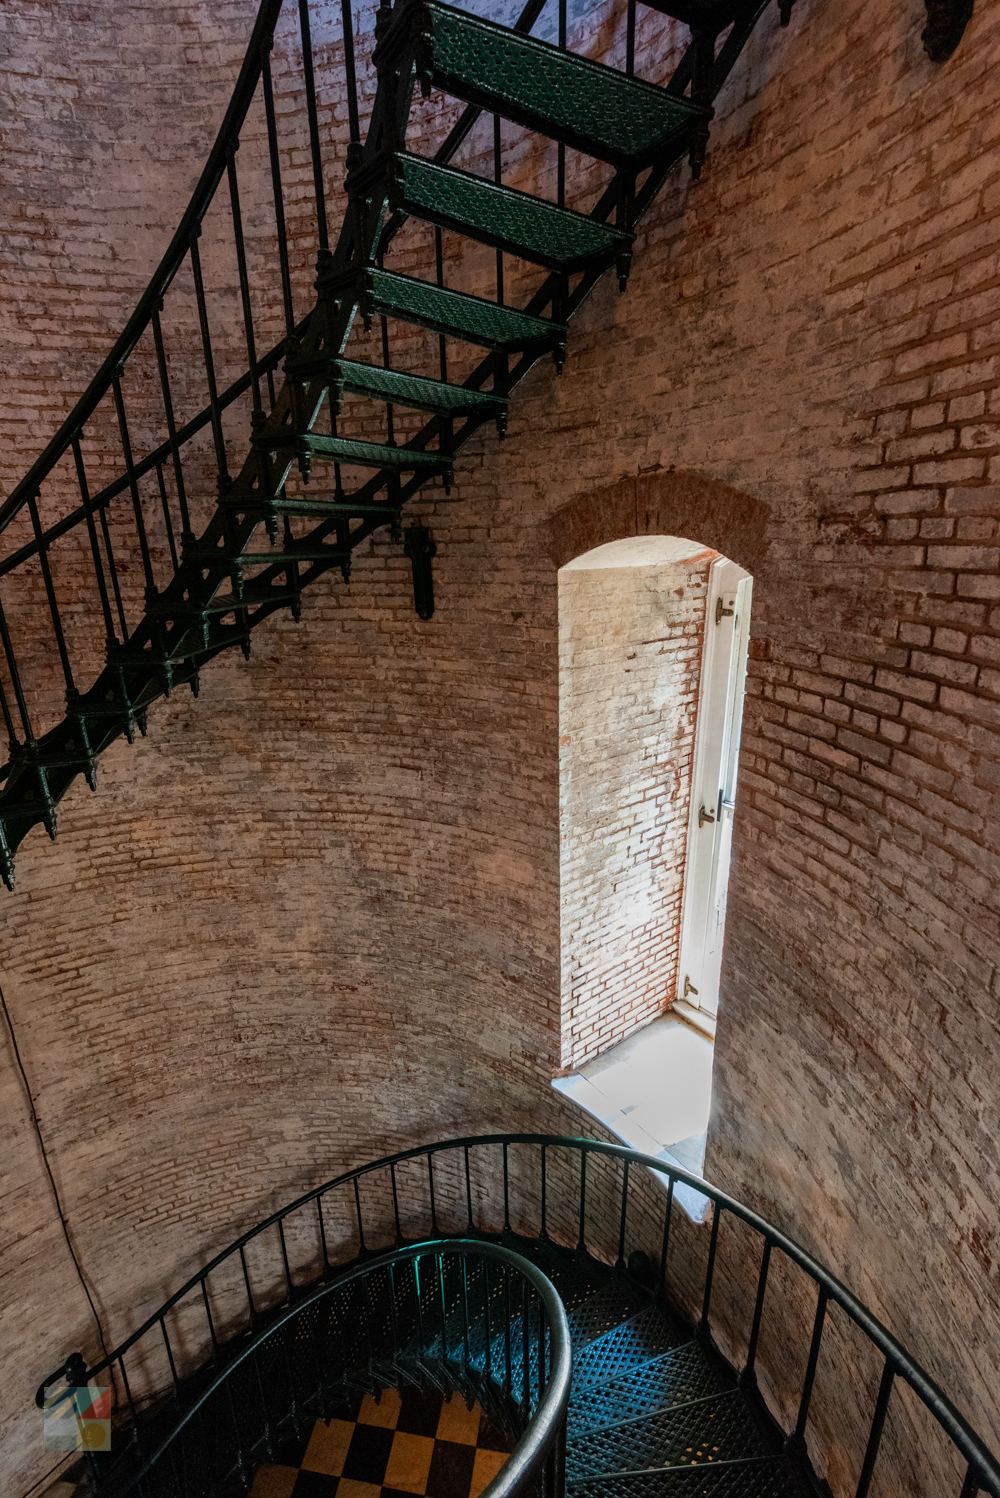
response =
{"points": [[316, 913]]}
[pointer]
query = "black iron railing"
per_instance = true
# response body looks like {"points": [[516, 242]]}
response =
{"points": [[96, 571], [594, 1198]]}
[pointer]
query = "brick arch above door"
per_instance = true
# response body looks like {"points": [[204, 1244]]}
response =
{"points": [[663, 502]]}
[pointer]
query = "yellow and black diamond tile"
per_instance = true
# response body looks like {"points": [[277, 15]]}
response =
{"points": [[409, 1442]]}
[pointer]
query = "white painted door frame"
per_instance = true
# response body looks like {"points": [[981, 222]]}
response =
{"points": [[713, 784]]}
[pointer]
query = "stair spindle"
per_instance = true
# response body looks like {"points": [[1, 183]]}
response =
{"points": [[241, 265], [167, 521], [15, 678], [168, 409], [206, 349], [50, 594], [102, 587], [877, 1427], [133, 484], [276, 196], [314, 147]]}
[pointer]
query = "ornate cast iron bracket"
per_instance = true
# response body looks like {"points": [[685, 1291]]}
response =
{"points": [[946, 21]]}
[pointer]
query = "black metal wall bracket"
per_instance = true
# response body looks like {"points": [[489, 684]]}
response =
{"points": [[419, 547], [946, 21]]}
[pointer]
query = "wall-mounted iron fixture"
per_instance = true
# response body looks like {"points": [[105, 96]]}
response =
{"points": [[946, 21]]}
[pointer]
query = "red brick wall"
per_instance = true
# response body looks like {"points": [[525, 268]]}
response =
{"points": [[316, 913], [630, 642]]}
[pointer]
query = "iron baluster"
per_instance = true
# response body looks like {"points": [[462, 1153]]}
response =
{"points": [[264, 1406], [506, 1191], [362, 1250], [276, 193], [488, 1321], [581, 1245], [322, 1235], [317, 164], [50, 594], [465, 1308], [284, 1259], [8, 720], [468, 1190], [368, 1319], [211, 1323], [168, 523], [241, 265], [561, 147], [748, 1376], [630, 38], [395, 1204], [113, 569], [525, 1353], [240, 1460], [666, 1236], [508, 1354], [418, 1309], [350, 76], [168, 411], [140, 523], [270, 388], [796, 1441], [102, 586], [249, 1290], [877, 1426], [544, 1232], [389, 421], [497, 179], [972, 1484], [430, 1177], [174, 1382], [439, 273], [710, 1271], [620, 1262], [444, 1308], [206, 349], [136, 1435], [15, 678]]}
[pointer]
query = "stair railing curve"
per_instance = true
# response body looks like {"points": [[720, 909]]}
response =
{"points": [[432, 1313], [448, 1168], [210, 602]]}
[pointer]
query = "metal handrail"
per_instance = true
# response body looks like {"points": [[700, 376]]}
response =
{"points": [[177, 250], [983, 1464]]}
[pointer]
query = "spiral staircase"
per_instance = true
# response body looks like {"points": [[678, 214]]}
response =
{"points": [[559, 1283], [314, 485]]}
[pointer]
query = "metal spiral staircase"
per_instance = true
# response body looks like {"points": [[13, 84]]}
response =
{"points": [[300, 503], [558, 1282]]}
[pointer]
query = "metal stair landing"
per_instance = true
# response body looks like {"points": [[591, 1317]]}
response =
{"points": [[320, 475]]}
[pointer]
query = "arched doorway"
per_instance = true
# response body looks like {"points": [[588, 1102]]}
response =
{"points": [[653, 639]]}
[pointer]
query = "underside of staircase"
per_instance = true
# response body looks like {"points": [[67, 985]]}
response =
{"points": [[249, 562]]}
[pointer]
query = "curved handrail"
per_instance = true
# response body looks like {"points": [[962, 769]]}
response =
{"points": [[168, 267], [954, 1424], [536, 1442]]}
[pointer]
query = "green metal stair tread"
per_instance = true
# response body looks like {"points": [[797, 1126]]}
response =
{"points": [[766, 1477], [648, 1335], [597, 109], [556, 238], [350, 450], [403, 389], [456, 314], [615, 1302], [715, 1429], [674, 1378], [298, 504]]}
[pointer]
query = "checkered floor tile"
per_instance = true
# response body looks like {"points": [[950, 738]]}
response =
{"points": [[410, 1442]]}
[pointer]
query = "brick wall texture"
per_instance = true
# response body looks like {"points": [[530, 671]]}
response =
{"points": [[630, 641], [316, 913]]}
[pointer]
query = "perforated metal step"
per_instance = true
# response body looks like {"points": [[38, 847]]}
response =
{"points": [[645, 1336], [513, 221], [402, 389], [594, 108], [607, 1308], [766, 1477], [309, 445], [456, 314], [675, 1378], [719, 1428]]}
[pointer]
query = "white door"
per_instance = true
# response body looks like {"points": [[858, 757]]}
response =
{"points": [[713, 784]]}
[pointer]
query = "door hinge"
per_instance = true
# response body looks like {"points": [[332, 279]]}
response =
{"points": [[721, 612]]}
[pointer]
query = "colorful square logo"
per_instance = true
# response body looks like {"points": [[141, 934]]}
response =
{"points": [[78, 1419]]}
